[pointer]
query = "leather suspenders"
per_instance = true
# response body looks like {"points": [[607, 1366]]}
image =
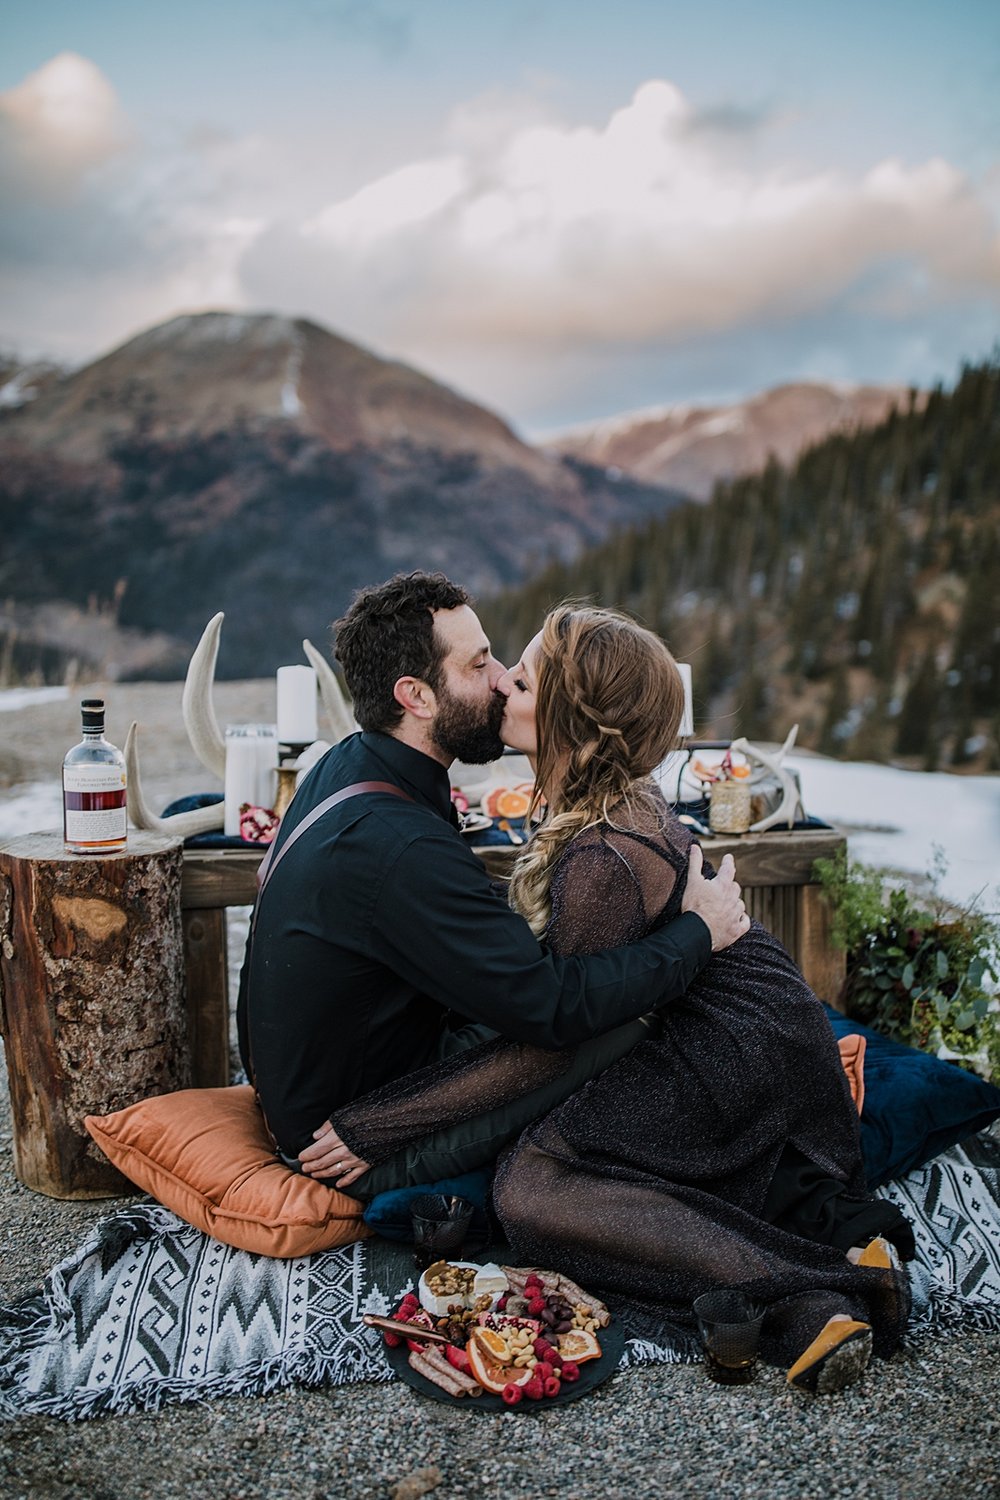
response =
{"points": [[271, 861]]}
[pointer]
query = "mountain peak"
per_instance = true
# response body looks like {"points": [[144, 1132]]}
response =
{"points": [[192, 331], [218, 371], [691, 447]]}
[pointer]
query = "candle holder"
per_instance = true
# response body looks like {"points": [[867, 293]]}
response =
{"points": [[286, 789], [288, 770]]}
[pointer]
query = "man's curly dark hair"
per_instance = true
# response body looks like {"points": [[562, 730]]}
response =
{"points": [[388, 633]]}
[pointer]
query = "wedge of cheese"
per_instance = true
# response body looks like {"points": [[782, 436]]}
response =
{"points": [[487, 1280]]}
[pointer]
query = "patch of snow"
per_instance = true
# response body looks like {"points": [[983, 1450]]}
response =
{"points": [[291, 406], [610, 427], [14, 698], [17, 391], [212, 327], [896, 818], [733, 420], [32, 808]]}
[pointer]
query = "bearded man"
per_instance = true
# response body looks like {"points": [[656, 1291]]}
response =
{"points": [[380, 943]]}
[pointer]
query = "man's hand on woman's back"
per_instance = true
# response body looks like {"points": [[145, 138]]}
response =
{"points": [[717, 901]]}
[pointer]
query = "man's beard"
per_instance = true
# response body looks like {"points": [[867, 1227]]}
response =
{"points": [[469, 731]]}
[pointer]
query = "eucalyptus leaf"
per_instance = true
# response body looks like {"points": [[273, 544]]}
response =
{"points": [[965, 1020], [908, 977], [941, 1006], [941, 961]]}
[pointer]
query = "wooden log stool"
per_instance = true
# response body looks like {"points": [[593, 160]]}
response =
{"points": [[91, 998]]}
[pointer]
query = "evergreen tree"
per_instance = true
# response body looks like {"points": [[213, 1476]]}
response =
{"points": [[827, 563]]}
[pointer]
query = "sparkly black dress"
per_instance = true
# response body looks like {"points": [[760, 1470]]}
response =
{"points": [[722, 1151]]}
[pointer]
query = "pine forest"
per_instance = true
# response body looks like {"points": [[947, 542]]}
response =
{"points": [[856, 592]]}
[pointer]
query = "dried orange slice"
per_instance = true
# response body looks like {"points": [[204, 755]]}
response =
{"points": [[579, 1346], [506, 802], [494, 1344], [492, 1373]]}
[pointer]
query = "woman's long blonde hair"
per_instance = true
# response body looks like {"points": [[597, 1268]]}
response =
{"points": [[608, 704]]}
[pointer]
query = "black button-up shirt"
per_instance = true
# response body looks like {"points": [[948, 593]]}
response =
{"points": [[380, 928]]}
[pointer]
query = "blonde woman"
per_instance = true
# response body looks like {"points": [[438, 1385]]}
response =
{"points": [[724, 1149]]}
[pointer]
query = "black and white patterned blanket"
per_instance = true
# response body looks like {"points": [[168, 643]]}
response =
{"points": [[150, 1311]]}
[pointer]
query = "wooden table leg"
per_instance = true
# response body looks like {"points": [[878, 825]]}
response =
{"points": [[207, 969]]}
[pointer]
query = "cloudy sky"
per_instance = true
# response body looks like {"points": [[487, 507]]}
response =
{"points": [[564, 210]]}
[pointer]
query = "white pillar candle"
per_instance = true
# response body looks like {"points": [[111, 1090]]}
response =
{"points": [[242, 771], [267, 765], [297, 705]]}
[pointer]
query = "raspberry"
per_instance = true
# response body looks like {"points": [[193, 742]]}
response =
{"points": [[512, 1394], [543, 1370], [532, 1283], [552, 1386], [502, 1302], [542, 1349], [536, 1306], [392, 1340], [555, 1359], [534, 1390], [570, 1371]]}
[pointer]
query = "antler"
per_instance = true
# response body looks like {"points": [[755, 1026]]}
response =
{"points": [[785, 812], [180, 825], [197, 707], [341, 721], [206, 737]]}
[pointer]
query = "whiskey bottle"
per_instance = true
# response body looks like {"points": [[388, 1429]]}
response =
{"points": [[94, 816]]}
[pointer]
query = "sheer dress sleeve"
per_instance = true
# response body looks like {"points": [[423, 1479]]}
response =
{"points": [[597, 902]]}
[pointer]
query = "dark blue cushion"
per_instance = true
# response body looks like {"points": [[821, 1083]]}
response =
{"points": [[389, 1213], [916, 1106]]}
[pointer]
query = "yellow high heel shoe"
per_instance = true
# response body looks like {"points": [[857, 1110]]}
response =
{"points": [[837, 1357], [881, 1253]]}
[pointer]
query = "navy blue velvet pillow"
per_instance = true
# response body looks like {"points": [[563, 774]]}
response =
{"points": [[389, 1213], [915, 1105]]}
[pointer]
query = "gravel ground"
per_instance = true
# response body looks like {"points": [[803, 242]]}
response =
{"points": [[920, 1427]]}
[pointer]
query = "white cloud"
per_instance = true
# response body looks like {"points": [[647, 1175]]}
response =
{"points": [[527, 250], [60, 122], [643, 230], [527, 240], [395, 204]]}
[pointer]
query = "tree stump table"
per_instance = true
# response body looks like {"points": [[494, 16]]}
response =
{"points": [[91, 998]]}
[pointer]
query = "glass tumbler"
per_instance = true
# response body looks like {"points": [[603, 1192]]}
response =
{"points": [[440, 1225], [729, 1324]]}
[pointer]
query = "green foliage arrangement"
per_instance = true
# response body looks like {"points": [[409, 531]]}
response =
{"points": [[918, 969]]}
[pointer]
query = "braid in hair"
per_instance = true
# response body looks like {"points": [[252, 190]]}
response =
{"points": [[609, 701]]}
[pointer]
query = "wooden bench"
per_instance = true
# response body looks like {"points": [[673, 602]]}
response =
{"points": [[774, 868]]}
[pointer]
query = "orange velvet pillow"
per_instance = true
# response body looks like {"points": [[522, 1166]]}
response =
{"points": [[206, 1155], [852, 1055]]}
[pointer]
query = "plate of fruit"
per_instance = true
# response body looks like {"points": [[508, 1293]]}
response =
{"points": [[501, 1338]]}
